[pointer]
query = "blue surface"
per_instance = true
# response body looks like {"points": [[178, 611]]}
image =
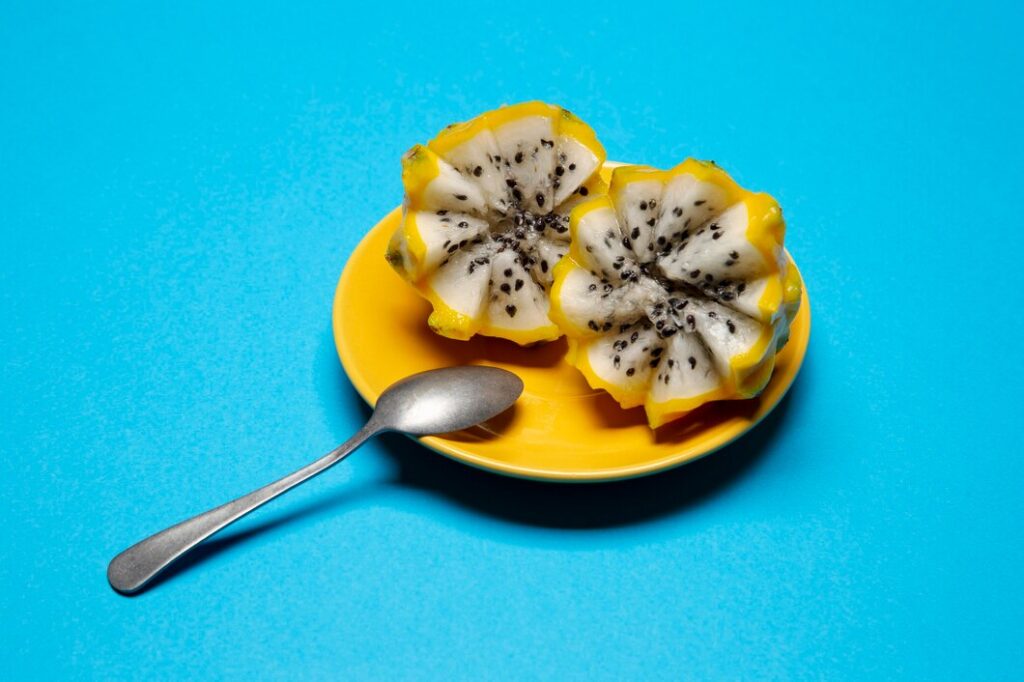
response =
{"points": [[179, 190]]}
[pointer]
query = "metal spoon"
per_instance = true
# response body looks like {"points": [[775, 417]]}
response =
{"points": [[438, 401]]}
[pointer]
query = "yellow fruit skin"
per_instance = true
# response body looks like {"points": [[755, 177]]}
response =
{"points": [[749, 371]]}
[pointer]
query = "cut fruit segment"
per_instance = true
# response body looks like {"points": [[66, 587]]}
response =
{"points": [[676, 290], [494, 195]]}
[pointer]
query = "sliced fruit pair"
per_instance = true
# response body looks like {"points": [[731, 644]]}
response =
{"points": [[673, 287], [676, 290], [486, 218]]}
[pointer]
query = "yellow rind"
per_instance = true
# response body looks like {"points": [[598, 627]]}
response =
{"points": [[572, 126], [577, 214], [457, 134], [668, 410], [445, 320], [560, 272], [523, 337], [420, 166], [514, 112]]}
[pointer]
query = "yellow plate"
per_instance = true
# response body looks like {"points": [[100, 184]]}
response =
{"points": [[561, 429]]}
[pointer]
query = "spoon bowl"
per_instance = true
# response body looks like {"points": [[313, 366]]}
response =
{"points": [[446, 400]]}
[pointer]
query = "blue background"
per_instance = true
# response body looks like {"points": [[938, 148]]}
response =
{"points": [[180, 188]]}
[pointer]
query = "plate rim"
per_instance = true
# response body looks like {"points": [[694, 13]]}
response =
{"points": [[636, 470]]}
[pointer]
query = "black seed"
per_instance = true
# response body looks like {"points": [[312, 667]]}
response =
{"points": [[734, 255], [453, 248], [712, 314], [716, 235], [540, 199], [593, 325], [731, 326], [572, 166], [506, 288], [693, 361], [519, 157], [463, 224], [699, 202], [630, 372], [559, 171], [727, 296], [583, 190], [657, 351], [478, 171], [615, 361], [510, 182], [708, 278], [633, 337], [519, 284], [508, 272], [671, 363], [690, 321], [626, 242], [669, 331], [590, 249], [635, 233], [592, 287], [606, 326], [650, 247], [650, 223], [659, 324], [446, 243], [661, 240], [460, 197], [677, 212], [643, 205], [654, 362], [442, 212], [617, 266], [741, 287], [516, 194], [695, 274], [511, 310], [547, 143], [687, 223]]}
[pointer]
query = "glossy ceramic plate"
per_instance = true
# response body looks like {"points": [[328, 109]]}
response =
{"points": [[560, 429]]}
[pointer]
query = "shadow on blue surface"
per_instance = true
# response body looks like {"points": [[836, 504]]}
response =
{"points": [[540, 504], [589, 505], [563, 506]]}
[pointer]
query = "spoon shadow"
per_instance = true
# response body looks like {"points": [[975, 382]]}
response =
{"points": [[564, 506], [584, 506]]}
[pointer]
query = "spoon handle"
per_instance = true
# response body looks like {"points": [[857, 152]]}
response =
{"points": [[130, 570]]}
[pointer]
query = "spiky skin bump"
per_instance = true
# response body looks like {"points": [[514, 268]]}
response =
{"points": [[677, 290], [486, 218]]}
